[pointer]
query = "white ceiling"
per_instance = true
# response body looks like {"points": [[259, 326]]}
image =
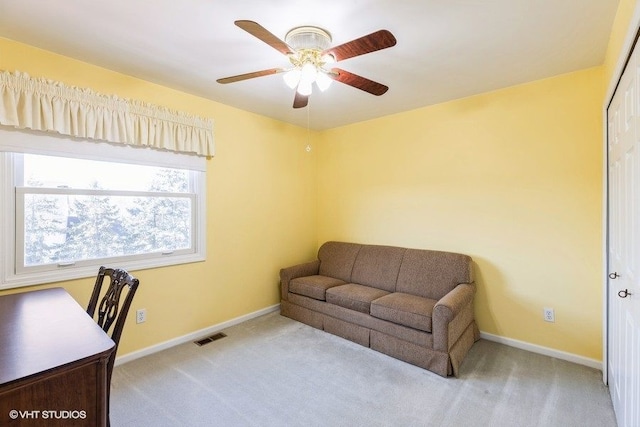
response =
{"points": [[447, 49]]}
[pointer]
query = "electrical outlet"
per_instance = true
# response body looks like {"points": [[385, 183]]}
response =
{"points": [[141, 315], [549, 315]]}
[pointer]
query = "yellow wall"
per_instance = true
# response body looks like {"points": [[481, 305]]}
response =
{"points": [[261, 214], [512, 178]]}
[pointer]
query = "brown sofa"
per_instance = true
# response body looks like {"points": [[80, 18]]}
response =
{"points": [[412, 304]]}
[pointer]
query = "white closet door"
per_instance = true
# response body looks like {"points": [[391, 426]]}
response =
{"points": [[624, 244]]}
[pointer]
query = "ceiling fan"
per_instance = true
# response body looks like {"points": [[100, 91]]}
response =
{"points": [[308, 49]]}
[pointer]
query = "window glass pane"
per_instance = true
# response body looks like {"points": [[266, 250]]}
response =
{"points": [[62, 172], [67, 228]]}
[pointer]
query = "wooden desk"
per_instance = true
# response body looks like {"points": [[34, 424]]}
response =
{"points": [[53, 362]]}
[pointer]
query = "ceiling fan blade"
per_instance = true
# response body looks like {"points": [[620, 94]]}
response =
{"points": [[381, 39], [358, 82], [263, 34], [300, 101], [247, 76]]}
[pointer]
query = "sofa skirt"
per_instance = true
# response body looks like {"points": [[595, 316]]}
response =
{"points": [[360, 331]]}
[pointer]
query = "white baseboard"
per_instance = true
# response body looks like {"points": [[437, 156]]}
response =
{"points": [[193, 335], [570, 357]]}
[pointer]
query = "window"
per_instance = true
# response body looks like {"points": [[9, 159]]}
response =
{"points": [[72, 211]]}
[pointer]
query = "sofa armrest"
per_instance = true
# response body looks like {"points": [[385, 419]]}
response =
{"points": [[300, 270], [451, 316]]}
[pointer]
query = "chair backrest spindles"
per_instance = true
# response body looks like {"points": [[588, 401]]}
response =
{"points": [[110, 313]]}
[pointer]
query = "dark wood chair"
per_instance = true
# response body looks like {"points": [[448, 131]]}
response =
{"points": [[110, 312]]}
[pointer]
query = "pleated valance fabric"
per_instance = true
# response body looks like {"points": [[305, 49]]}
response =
{"points": [[45, 105]]}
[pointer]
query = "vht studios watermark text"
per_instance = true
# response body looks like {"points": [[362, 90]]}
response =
{"points": [[47, 415]]}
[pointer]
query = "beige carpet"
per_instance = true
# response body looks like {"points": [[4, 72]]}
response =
{"points": [[273, 371]]}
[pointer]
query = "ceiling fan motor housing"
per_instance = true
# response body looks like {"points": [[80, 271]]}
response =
{"points": [[307, 37]]}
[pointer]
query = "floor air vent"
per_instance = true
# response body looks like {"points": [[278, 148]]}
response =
{"points": [[212, 338]]}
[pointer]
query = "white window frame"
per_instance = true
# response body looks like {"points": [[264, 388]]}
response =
{"points": [[22, 141]]}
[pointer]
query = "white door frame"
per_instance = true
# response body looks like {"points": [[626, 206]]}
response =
{"points": [[629, 41]]}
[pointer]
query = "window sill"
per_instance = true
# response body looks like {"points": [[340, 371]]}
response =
{"points": [[10, 281]]}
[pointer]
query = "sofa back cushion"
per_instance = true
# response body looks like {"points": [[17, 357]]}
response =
{"points": [[377, 266], [337, 258], [432, 274]]}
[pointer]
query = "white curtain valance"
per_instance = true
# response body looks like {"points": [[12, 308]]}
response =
{"points": [[45, 105]]}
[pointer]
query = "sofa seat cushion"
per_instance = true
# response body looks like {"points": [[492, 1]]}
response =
{"points": [[404, 309], [354, 296], [313, 286]]}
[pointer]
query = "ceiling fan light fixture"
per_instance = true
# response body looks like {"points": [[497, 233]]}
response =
{"points": [[309, 43], [304, 88], [308, 73], [292, 77], [323, 81], [328, 58]]}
